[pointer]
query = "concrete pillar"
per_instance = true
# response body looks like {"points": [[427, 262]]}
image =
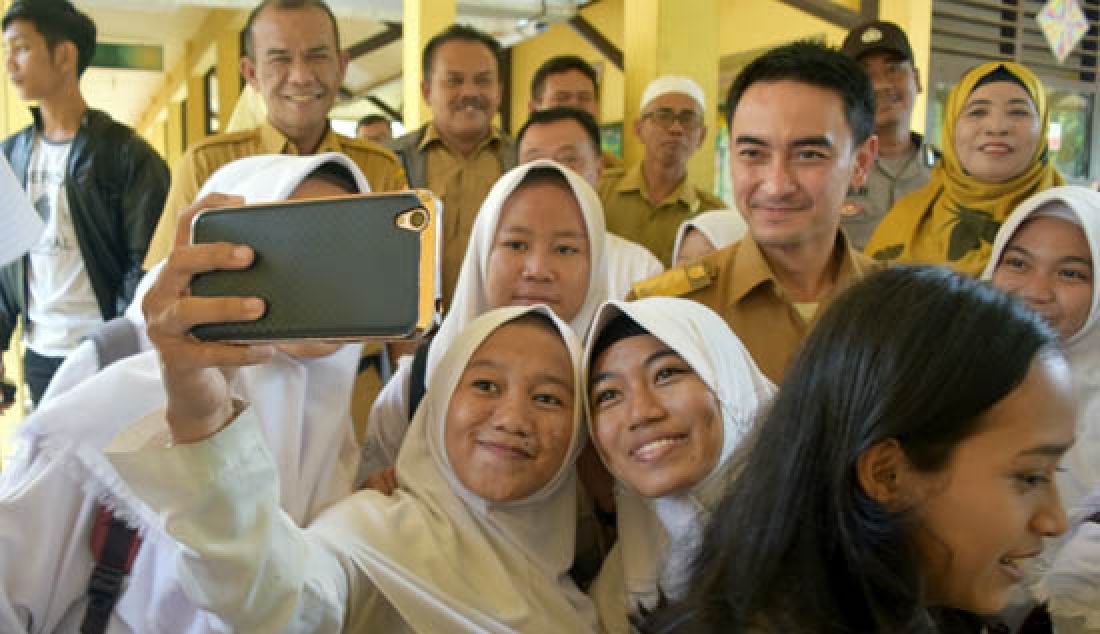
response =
{"points": [[915, 18], [228, 55], [423, 19], [671, 37]]}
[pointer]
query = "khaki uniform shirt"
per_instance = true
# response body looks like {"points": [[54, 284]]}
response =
{"points": [[462, 184], [738, 284], [630, 213], [886, 183], [379, 165]]}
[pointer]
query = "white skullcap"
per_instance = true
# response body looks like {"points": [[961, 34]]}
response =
{"points": [[673, 83]]}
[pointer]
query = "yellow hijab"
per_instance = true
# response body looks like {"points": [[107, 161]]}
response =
{"points": [[953, 219]]}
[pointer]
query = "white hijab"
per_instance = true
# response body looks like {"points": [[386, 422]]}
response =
{"points": [[304, 406], [448, 560], [471, 297], [722, 227], [1082, 464], [1069, 569], [658, 537]]}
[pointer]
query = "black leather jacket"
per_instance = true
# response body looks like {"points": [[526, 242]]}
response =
{"points": [[116, 185]]}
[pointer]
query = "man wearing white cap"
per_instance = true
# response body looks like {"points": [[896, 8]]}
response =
{"points": [[647, 202]]}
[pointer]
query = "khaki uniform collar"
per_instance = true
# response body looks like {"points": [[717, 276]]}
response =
{"points": [[632, 181], [272, 141], [431, 135], [751, 269]]}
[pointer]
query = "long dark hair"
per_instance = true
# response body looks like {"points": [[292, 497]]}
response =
{"points": [[915, 354]]}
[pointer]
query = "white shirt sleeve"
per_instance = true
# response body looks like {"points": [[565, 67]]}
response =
{"points": [[388, 422], [45, 553], [79, 364], [242, 557]]}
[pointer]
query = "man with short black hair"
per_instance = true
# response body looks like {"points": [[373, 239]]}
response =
{"points": [[800, 120], [459, 154], [648, 202], [291, 56], [572, 138], [98, 186], [567, 81], [375, 128], [904, 162]]}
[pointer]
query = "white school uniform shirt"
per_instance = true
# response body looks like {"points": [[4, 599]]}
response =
{"points": [[389, 416], [433, 557], [1068, 572], [657, 537], [50, 491]]}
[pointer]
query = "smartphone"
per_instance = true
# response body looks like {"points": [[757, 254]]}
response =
{"points": [[7, 393], [361, 267]]}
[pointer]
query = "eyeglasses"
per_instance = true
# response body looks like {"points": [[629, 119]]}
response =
{"points": [[665, 117]]}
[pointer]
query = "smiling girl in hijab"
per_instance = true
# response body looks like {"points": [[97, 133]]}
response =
{"points": [[52, 488], [672, 392], [1046, 253], [478, 537], [513, 232], [995, 155]]}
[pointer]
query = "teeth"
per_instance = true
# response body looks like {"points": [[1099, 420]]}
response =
{"points": [[646, 450]]}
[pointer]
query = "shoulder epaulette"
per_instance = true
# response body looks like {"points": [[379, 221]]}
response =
{"points": [[678, 281]]}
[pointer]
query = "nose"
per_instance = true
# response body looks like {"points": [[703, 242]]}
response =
{"points": [[778, 181], [1050, 519], [644, 407], [999, 123], [299, 71], [513, 415], [536, 266], [1036, 290]]}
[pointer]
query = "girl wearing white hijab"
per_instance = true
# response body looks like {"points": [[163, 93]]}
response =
{"points": [[485, 282], [709, 231], [677, 365], [478, 537], [51, 490], [1046, 252]]}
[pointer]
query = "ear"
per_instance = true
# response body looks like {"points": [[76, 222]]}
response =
{"points": [[248, 71], [638, 127], [531, 105], [426, 88], [66, 56], [916, 78], [883, 472], [345, 59], [863, 160], [702, 136]]}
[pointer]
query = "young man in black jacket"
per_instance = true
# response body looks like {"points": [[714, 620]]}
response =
{"points": [[98, 186]]}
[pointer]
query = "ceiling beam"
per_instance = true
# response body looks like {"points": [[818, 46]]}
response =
{"points": [[835, 14], [597, 40], [376, 41], [394, 115]]}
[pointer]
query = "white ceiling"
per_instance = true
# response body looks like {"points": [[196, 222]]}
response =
{"points": [[171, 23]]}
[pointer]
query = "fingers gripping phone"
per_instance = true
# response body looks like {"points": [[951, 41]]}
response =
{"points": [[362, 267]]}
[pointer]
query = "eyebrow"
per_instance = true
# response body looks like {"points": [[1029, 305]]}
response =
{"points": [[813, 141], [649, 361], [541, 377], [525, 231], [1069, 259], [1052, 450], [989, 102]]}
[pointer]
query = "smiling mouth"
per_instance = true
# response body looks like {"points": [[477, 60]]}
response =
{"points": [[657, 448], [997, 149], [534, 299], [504, 450], [1011, 565], [302, 98]]}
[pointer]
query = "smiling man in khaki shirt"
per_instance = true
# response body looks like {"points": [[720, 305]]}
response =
{"points": [[459, 154], [800, 135], [647, 202], [292, 58]]}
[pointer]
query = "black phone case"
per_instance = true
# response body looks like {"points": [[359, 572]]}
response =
{"points": [[331, 269]]}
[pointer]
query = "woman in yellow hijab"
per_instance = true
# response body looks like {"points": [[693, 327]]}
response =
{"points": [[994, 156]]}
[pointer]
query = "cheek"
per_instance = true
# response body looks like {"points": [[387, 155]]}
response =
{"points": [[501, 275], [1077, 303]]}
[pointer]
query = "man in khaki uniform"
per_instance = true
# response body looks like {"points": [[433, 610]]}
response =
{"points": [[567, 81], [647, 202], [292, 58], [459, 154], [800, 135]]}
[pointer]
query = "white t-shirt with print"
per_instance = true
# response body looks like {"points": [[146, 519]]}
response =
{"points": [[61, 305]]}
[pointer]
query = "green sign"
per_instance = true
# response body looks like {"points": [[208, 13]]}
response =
{"points": [[132, 56]]}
